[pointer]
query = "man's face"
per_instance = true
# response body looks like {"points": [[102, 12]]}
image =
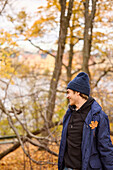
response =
{"points": [[72, 96]]}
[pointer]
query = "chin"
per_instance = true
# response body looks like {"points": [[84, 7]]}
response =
{"points": [[71, 104]]}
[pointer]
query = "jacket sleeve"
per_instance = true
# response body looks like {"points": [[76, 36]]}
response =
{"points": [[62, 145], [105, 146]]}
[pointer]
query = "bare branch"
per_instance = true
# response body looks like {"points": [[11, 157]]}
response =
{"points": [[41, 146], [6, 2], [45, 51], [22, 140], [102, 75]]}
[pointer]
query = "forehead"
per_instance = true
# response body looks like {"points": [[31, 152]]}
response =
{"points": [[69, 90]]}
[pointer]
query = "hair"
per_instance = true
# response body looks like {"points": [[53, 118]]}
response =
{"points": [[84, 96]]}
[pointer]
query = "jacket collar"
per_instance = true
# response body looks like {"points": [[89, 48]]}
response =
{"points": [[95, 108]]}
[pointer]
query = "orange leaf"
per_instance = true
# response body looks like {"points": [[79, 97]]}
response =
{"points": [[93, 124]]}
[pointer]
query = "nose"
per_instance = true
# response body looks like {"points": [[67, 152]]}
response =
{"points": [[67, 96]]}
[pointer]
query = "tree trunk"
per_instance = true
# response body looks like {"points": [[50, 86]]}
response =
{"points": [[69, 67], [89, 20], [64, 23]]}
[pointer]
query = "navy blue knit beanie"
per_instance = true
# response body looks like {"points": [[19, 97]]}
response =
{"points": [[80, 83]]}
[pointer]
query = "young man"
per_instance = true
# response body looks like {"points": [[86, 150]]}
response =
{"points": [[85, 141]]}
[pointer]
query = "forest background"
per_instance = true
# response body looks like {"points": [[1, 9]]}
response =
{"points": [[40, 52]]}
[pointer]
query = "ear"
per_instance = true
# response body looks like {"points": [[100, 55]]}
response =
{"points": [[78, 93]]}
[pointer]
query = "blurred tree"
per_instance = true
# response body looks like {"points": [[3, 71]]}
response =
{"points": [[89, 14], [8, 50], [64, 24]]}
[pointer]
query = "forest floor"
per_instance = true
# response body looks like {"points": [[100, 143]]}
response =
{"points": [[18, 161]]}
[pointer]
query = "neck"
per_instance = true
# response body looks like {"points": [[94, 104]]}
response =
{"points": [[80, 103]]}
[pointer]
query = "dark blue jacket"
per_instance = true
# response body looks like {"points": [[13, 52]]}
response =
{"points": [[97, 149]]}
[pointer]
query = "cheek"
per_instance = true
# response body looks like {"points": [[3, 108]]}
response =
{"points": [[73, 98]]}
